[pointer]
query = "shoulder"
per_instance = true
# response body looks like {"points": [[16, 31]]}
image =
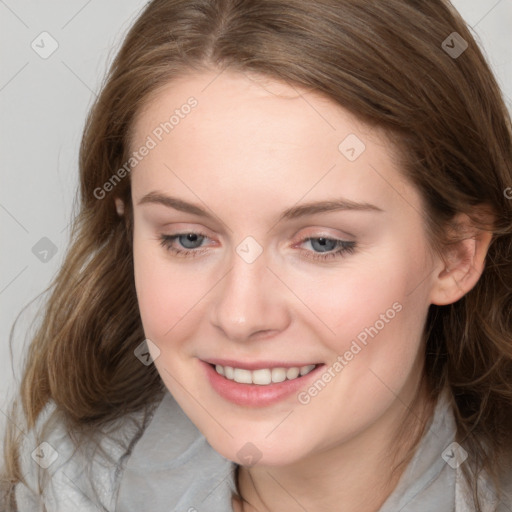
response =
{"points": [[156, 455], [67, 471]]}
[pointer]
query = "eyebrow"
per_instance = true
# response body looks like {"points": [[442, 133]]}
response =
{"points": [[294, 212]]}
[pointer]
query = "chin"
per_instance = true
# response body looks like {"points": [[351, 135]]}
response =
{"points": [[260, 453]]}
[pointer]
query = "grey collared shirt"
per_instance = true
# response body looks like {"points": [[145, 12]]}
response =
{"points": [[170, 467]]}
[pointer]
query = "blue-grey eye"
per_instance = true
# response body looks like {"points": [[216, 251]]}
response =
{"points": [[323, 244], [193, 239]]}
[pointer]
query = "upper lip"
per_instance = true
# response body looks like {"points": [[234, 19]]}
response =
{"points": [[257, 365]]}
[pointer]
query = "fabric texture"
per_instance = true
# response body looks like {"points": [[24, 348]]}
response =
{"points": [[165, 464]]}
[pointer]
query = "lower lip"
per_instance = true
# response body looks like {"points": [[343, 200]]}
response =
{"points": [[254, 395]]}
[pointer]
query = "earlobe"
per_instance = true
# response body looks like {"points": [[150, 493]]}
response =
{"points": [[462, 267], [119, 206]]}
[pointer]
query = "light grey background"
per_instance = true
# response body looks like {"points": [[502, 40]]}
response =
{"points": [[43, 105]]}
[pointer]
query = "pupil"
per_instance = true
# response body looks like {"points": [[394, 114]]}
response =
{"points": [[189, 240], [323, 244]]}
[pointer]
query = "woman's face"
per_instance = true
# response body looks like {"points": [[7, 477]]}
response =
{"points": [[305, 247]]}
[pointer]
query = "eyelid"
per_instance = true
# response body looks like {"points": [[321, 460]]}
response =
{"points": [[344, 248], [342, 245], [178, 228], [323, 233], [298, 238]]}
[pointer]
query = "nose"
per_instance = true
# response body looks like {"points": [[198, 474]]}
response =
{"points": [[250, 301]]}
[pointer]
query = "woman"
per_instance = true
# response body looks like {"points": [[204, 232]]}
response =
{"points": [[289, 286]]}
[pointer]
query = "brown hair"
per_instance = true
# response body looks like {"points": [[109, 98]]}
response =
{"points": [[384, 62]]}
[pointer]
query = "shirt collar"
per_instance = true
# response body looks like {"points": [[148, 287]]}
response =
{"points": [[173, 467]]}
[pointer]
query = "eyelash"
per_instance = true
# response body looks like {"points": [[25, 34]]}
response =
{"points": [[345, 247]]}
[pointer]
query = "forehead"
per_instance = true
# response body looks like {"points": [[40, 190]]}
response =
{"points": [[251, 101], [248, 133]]}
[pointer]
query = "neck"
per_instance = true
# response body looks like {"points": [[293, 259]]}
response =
{"points": [[357, 475]]}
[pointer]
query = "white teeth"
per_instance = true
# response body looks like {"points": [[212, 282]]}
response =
{"points": [[306, 369], [278, 374], [263, 376], [292, 373], [243, 376]]}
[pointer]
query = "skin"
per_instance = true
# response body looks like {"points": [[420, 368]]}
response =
{"points": [[251, 149]]}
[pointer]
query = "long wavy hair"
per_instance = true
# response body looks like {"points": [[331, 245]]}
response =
{"points": [[383, 61]]}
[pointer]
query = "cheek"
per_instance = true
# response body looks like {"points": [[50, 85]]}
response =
{"points": [[376, 345], [165, 295], [375, 306]]}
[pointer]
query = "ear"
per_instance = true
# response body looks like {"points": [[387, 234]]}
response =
{"points": [[119, 206], [462, 263]]}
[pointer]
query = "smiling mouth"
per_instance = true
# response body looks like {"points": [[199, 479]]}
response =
{"points": [[263, 376]]}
